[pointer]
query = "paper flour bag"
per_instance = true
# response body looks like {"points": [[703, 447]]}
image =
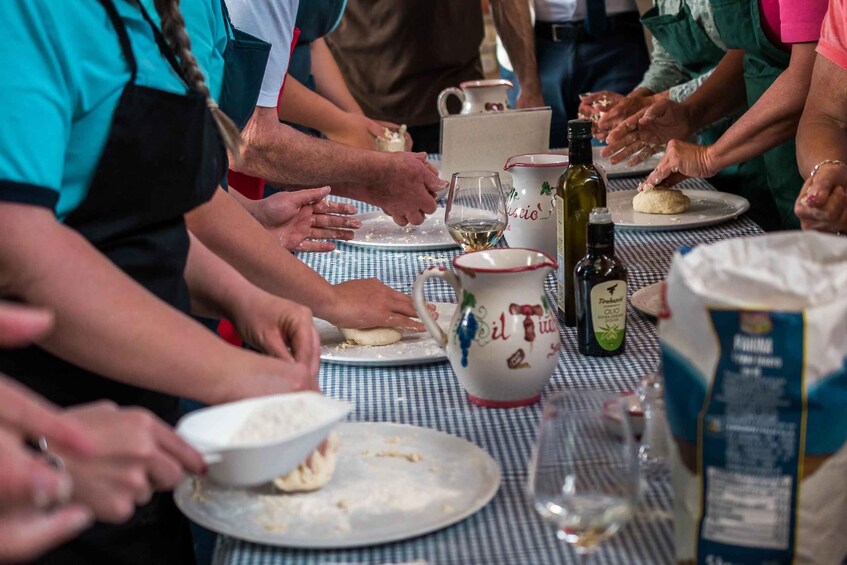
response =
{"points": [[754, 339]]}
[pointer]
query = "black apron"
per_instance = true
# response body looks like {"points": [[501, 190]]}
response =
{"points": [[245, 60], [162, 158]]}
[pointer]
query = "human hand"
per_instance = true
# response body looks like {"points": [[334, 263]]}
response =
{"points": [[278, 327], [593, 105], [395, 127], [682, 160], [34, 510], [529, 97], [369, 303], [405, 187], [136, 454], [623, 109], [822, 203], [646, 131], [301, 219]]}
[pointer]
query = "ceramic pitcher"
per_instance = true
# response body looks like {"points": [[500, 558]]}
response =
{"points": [[530, 204], [503, 340], [477, 96]]}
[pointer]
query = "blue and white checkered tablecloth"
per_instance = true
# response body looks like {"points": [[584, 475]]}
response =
{"points": [[508, 530]]}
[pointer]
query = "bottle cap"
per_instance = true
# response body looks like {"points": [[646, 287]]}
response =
{"points": [[600, 216], [579, 128]]}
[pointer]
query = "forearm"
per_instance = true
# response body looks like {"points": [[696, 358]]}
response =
{"points": [[513, 23], [236, 237], [720, 95], [329, 81], [301, 106], [822, 132], [106, 322], [217, 290], [286, 157], [772, 119]]}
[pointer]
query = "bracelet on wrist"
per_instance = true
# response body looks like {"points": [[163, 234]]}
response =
{"points": [[826, 162]]}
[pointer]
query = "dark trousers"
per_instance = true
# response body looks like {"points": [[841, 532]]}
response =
{"points": [[572, 67]]}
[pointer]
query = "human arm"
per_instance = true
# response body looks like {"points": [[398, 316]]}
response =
{"points": [[301, 106], [514, 24], [231, 233], [302, 218], [56, 268], [268, 323], [329, 81], [822, 136], [402, 184], [769, 122], [720, 95]]}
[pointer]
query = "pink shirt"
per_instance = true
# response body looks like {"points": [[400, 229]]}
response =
{"points": [[833, 43], [791, 21]]}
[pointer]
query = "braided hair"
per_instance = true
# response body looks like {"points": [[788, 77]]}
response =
{"points": [[173, 28]]}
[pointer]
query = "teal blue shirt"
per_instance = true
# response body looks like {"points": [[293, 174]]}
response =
{"points": [[61, 78]]}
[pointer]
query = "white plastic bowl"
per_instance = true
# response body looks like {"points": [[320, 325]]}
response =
{"points": [[209, 431]]}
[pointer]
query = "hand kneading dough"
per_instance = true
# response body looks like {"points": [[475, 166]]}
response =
{"points": [[373, 336], [307, 478], [660, 201]]}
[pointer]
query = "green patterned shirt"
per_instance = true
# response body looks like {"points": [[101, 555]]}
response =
{"points": [[665, 73]]}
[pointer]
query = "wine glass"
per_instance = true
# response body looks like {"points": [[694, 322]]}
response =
{"points": [[476, 210], [582, 479]]}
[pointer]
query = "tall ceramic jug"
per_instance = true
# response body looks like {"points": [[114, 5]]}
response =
{"points": [[530, 203], [503, 340], [477, 96]]}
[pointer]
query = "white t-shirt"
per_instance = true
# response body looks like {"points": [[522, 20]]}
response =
{"points": [[574, 10], [272, 21]]}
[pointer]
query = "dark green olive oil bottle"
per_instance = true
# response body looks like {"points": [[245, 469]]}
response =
{"points": [[600, 282], [581, 189]]}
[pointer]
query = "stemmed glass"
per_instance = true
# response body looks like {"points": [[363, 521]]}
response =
{"points": [[582, 479], [476, 210]]}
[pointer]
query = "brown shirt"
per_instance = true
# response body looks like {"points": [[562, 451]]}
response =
{"points": [[397, 55]]}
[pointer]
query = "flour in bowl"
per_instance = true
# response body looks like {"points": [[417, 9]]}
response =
{"points": [[281, 420]]}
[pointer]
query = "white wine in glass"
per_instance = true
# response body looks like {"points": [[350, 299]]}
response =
{"points": [[476, 210], [581, 479]]}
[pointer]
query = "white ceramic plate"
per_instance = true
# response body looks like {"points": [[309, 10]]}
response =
{"points": [[379, 231], [622, 169], [392, 482], [414, 349], [648, 300], [708, 207]]}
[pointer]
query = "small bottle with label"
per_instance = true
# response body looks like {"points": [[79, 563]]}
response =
{"points": [[600, 285]]}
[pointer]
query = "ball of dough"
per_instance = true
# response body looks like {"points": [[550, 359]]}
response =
{"points": [[306, 478], [372, 336], [660, 201]]}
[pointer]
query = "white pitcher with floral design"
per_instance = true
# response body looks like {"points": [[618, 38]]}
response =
{"points": [[489, 95], [503, 340], [530, 204]]}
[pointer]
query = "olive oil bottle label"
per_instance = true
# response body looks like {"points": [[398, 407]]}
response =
{"points": [[560, 252], [608, 313]]}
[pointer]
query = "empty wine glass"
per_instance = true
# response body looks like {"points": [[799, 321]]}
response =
{"points": [[476, 210], [581, 479]]}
